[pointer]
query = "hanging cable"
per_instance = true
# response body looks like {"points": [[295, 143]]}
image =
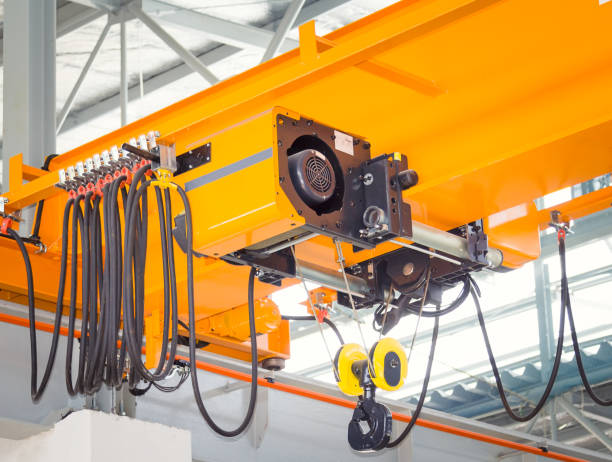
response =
{"points": [[500, 387], [565, 295], [37, 391], [421, 402], [192, 336]]}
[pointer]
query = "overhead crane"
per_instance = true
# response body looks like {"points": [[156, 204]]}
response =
{"points": [[386, 161]]}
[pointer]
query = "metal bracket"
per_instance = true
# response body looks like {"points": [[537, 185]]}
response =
{"points": [[477, 242], [259, 424]]}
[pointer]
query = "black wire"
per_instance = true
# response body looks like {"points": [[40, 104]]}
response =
{"points": [[78, 230], [415, 308], [192, 338], [41, 204], [576, 345], [37, 391], [327, 321], [500, 387], [421, 402]]}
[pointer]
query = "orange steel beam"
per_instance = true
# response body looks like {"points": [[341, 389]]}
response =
{"points": [[343, 402], [383, 70], [474, 141], [522, 114]]}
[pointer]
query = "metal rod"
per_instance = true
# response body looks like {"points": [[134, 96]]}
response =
{"points": [[450, 243], [425, 251], [586, 423], [193, 62], [293, 10], [332, 279], [289, 243], [123, 86], [77, 86], [553, 420]]}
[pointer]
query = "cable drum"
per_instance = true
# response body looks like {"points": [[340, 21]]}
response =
{"points": [[312, 176]]}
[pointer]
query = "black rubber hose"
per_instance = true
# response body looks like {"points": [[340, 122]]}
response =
{"points": [[97, 352], [327, 321], [94, 270], [575, 343], [172, 272], [421, 402], [77, 226], [130, 334], [35, 390], [85, 298], [192, 338], [166, 275], [500, 387]]}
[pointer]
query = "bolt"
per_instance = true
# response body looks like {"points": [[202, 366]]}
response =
{"points": [[280, 143], [338, 224], [408, 269], [366, 145], [355, 141], [309, 122]]}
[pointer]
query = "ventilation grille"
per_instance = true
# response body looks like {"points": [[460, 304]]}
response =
{"points": [[318, 174]]}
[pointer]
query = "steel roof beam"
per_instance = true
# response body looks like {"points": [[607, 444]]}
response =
{"points": [[192, 61], [218, 29], [165, 78], [280, 37]]}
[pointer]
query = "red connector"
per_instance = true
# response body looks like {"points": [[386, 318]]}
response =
{"points": [[6, 224]]}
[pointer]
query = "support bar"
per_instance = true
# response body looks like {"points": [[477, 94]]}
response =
{"points": [[333, 279], [586, 423], [77, 86], [450, 243], [283, 29], [185, 54]]}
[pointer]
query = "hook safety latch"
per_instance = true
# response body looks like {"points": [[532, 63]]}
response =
{"points": [[370, 426]]}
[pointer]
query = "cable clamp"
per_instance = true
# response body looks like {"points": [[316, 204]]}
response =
{"points": [[562, 227], [164, 179]]}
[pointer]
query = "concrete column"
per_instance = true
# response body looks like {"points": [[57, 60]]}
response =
{"points": [[29, 81]]}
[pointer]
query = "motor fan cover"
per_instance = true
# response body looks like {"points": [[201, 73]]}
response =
{"points": [[312, 176]]}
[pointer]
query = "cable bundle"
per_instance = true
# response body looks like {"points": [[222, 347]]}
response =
{"points": [[112, 295]]}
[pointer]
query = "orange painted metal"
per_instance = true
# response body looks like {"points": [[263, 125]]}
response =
{"points": [[490, 118], [337, 401]]}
